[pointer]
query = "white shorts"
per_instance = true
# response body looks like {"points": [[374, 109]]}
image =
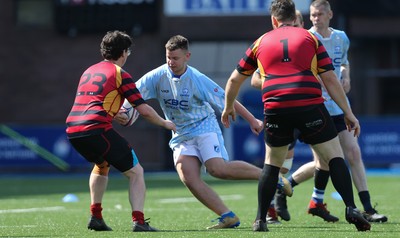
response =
{"points": [[204, 147]]}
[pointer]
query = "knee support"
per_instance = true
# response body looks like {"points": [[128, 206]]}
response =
{"points": [[101, 169]]}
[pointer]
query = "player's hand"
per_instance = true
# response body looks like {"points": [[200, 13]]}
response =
{"points": [[225, 116], [346, 85], [353, 124], [257, 126], [121, 118], [169, 125]]}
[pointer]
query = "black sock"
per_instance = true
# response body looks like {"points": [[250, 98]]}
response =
{"points": [[266, 189], [292, 181], [365, 200], [321, 178], [341, 180]]}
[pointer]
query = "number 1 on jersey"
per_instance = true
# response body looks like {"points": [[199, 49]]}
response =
{"points": [[286, 57]]}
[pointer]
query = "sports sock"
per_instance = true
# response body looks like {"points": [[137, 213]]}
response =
{"points": [[266, 189], [365, 199], [138, 216], [95, 210], [228, 214], [321, 178], [292, 181], [341, 180]]}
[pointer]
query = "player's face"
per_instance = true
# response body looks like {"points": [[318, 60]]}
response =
{"points": [[320, 17], [177, 60]]}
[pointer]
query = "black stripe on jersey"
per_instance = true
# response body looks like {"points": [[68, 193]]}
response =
{"points": [[292, 85], [327, 67], [322, 55], [85, 122], [292, 97], [302, 73], [96, 103], [131, 92]]}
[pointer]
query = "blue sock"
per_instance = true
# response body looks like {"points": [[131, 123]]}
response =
{"points": [[228, 214]]}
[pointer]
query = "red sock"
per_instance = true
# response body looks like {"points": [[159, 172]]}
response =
{"points": [[96, 209], [138, 216]]}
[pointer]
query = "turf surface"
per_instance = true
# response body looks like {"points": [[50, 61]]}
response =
{"points": [[32, 206]]}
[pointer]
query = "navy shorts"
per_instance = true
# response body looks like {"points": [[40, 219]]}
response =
{"points": [[315, 126], [109, 146]]}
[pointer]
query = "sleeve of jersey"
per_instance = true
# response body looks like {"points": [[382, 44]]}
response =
{"points": [[147, 85], [211, 92], [248, 64], [323, 60], [130, 91]]}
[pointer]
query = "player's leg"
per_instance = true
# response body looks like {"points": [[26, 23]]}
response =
{"points": [[232, 170], [92, 149], [326, 146], [121, 156], [317, 207], [352, 154], [189, 171], [302, 174], [280, 202], [268, 181]]}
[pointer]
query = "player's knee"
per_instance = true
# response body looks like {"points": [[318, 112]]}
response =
{"points": [[218, 173], [101, 169], [353, 154]]}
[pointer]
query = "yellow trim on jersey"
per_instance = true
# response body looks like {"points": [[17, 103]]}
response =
{"points": [[113, 100], [314, 61]]}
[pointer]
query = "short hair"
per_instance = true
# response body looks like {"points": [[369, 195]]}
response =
{"points": [[300, 16], [283, 10], [319, 3], [114, 43], [177, 42]]}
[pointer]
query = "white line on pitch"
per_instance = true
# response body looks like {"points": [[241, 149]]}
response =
{"points": [[192, 199], [33, 209]]}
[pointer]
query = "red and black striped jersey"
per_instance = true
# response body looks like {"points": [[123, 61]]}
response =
{"points": [[100, 94], [289, 59]]}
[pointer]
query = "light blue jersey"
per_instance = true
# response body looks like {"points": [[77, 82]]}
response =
{"points": [[189, 101], [337, 46]]}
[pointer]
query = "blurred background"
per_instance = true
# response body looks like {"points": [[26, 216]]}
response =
{"points": [[47, 44]]}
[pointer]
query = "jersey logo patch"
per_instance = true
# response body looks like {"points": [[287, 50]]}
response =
{"points": [[216, 148]]}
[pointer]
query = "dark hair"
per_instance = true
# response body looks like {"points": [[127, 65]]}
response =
{"points": [[283, 10], [177, 42], [114, 43]]}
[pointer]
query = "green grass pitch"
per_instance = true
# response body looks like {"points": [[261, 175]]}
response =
{"points": [[33, 207]]}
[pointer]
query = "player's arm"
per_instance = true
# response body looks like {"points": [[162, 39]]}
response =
{"points": [[255, 124], [256, 81], [345, 71], [338, 95], [152, 116], [231, 91]]}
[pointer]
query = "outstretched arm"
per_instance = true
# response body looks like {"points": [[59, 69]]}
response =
{"points": [[255, 124]]}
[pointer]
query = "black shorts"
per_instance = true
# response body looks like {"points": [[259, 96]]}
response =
{"points": [[296, 135], [315, 126], [109, 146], [338, 120]]}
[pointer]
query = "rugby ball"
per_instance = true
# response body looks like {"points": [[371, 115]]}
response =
{"points": [[131, 112]]}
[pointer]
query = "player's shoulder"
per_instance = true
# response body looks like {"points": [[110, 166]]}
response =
{"points": [[339, 32], [195, 75]]}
